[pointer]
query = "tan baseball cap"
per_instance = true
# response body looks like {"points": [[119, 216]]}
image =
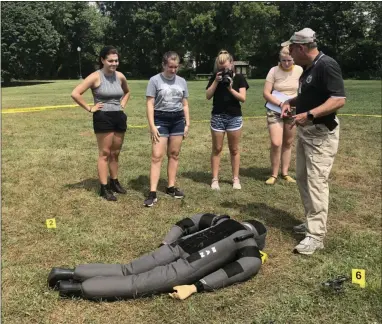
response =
{"points": [[303, 36]]}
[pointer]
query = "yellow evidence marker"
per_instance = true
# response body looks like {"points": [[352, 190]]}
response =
{"points": [[51, 223], [264, 257], [358, 277]]}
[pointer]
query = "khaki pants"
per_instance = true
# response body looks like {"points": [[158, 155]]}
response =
{"points": [[315, 152]]}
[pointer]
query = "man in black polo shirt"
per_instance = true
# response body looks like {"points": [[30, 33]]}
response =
{"points": [[321, 93]]}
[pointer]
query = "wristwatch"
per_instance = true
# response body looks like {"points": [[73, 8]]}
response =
{"points": [[310, 116]]}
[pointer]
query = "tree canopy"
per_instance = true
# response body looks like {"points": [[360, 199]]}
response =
{"points": [[39, 40]]}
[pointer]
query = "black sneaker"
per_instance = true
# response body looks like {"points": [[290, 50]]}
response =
{"points": [[151, 199], [116, 187], [107, 193], [175, 192]]}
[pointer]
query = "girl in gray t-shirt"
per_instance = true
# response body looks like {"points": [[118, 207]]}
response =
{"points": [[169, 119]]}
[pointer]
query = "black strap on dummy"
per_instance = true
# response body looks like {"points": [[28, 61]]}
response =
{"points": [[249, 251], [243, 237], [199, 286], [233, 269], [218, 218], [206, 221], [185, 224]]}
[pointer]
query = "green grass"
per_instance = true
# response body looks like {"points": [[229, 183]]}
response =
{"points": [[49, 170]]}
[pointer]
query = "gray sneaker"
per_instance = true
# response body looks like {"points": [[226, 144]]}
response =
{"points": [[308, 246], [300, 229], [175, 192]]}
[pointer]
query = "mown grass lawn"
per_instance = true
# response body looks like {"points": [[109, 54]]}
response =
{"points": [[49, 171]]}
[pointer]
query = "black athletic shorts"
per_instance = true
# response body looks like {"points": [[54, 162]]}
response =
{"points": [[109, 121]]}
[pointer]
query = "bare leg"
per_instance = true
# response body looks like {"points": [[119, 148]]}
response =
{"points": [[158, 151], [104, 141], [173, 150], [233, 144], [217, 146], [115, 150], [276, 134], [286, 150]]}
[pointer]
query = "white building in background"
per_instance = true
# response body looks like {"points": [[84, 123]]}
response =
{"points": [[189, 61]]}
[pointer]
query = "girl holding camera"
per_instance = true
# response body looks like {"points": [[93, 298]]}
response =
{"points": [[228, 91]]}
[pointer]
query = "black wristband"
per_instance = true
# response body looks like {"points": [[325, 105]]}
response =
{"points": [[199, 286], [310, 116]]}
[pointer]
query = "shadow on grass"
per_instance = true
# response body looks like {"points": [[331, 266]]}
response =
{"points": [[23, 83], [205, 177], [272, 217], [256, 173], [88, 184], [198, 176], [142, 184]]}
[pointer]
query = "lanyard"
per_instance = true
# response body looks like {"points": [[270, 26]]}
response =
{"points": [[311, 67]]}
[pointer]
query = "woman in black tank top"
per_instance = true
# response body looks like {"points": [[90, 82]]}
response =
{"points": [[111, 93]]}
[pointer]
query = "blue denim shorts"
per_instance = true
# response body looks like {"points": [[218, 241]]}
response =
{"points": [[226, 123], [169, 123]]}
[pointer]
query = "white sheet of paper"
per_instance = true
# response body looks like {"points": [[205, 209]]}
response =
{"points": [[282, 97]]}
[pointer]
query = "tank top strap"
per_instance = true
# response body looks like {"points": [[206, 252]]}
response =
{"points": [[102, 76]]}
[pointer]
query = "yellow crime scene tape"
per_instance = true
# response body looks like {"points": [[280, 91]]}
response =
{"points": [[34, 109]]}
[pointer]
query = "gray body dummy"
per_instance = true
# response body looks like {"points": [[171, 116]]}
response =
{"points": [[207, 250]]}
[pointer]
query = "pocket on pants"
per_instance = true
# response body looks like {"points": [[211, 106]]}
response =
{"points": [[317, 141], [321, 128], [321, 166]]}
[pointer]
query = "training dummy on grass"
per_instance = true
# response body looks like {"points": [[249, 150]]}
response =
{"points": [[201, 253]]}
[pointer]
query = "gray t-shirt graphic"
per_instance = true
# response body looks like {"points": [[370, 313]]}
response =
{"points": [[168, 94]]}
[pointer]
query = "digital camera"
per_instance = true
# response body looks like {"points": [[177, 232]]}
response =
{"points": [[226, 74]]}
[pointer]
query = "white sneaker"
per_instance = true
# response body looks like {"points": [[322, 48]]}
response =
{"points": [[215, 184], [300, 229], [236, 183], [308, 246]]}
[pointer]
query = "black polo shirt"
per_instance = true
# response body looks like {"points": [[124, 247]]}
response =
{"points": [[224, 102], [319, 82]]}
